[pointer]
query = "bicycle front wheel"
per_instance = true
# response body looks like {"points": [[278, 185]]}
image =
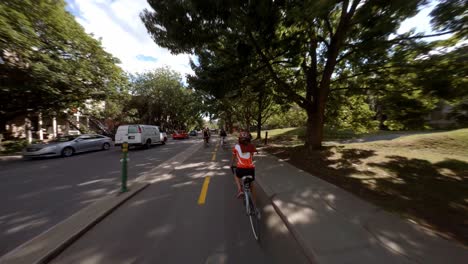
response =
{"points": [[254, 218]]}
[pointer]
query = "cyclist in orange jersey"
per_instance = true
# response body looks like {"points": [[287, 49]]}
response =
{"points": [[242, 154]]}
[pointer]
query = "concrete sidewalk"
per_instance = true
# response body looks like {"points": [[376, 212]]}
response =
{"points": [[334, 226]]}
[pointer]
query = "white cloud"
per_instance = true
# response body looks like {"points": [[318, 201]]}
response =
{"points": [[118, 25]]}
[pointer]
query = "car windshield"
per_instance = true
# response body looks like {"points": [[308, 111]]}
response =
{"points": [[64, 139]]}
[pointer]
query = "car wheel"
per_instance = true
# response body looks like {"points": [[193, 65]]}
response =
{"points": [[148, 144], [68, 151], [106, 146]]}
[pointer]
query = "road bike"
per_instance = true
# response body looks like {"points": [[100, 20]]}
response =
{"points": [[251, 210], [223, 141]]}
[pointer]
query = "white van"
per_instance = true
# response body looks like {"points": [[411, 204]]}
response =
{"points": [[138, 135]]}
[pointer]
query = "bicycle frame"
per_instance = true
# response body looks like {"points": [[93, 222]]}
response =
{"points": [[246, 181], [250, 207]]}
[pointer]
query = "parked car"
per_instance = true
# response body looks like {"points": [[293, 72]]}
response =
{"points": [[138, 135], [68, 145], [180, 135], [193, 133]]}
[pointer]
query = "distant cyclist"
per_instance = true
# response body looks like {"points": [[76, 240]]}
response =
{"points": [[206, 135], [223, 136], [242, 154]]}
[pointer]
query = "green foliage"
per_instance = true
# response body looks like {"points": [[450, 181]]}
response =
{"points": [[293, 117], [310, 50], [158, 97], [451, 15], [441, 73], [49, 62], [407, 110], [459, 112], [350, 112]]}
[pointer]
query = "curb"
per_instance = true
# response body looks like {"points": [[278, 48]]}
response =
{"points": [[44, 247], [308, 253], [270, 197]]}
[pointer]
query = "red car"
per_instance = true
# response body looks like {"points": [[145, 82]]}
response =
{"points": [[180, 135]]}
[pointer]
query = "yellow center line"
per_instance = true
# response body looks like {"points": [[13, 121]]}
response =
{"points": [[214, 152], [204, 190]]}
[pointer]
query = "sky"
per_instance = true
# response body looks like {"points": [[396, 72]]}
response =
{"points": [[118, 25]]}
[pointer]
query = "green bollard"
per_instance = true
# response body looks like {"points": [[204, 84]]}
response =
{"points": [[124, 167]]}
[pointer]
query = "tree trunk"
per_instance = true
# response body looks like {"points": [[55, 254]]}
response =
{"points": [[315, 121], [3, 123], [314, 132], [259, 127], [259, 115], [2, 128], [229, 125]]}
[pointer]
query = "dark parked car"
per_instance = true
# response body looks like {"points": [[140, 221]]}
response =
{"points": [[193, 133]]}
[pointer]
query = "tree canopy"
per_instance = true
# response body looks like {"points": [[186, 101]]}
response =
{"points": [[309, 48], [158, 97], [48, 62]]}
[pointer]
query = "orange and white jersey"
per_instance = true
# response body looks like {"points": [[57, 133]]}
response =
{"points": [[244, 159]]}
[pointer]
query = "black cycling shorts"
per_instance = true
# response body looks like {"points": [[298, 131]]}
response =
{"points": [[241, 172]]}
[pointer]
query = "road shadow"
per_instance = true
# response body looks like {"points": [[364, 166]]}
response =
{"points": [[434, 194]]}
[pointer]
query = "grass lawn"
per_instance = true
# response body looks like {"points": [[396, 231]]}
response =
{"points": [[421, 177], [297, 134]]}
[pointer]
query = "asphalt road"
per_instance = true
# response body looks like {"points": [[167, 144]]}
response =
{"points": [[165, 223], [37, 194]]}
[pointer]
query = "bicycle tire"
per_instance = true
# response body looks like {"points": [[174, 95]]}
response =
{"points": [[254, 220]]}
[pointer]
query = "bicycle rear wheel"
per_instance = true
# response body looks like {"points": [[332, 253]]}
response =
{"points": [[254, 220]]}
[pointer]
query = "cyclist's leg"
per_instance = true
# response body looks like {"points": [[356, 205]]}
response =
{"points": [[253, 187], [238, 184]]}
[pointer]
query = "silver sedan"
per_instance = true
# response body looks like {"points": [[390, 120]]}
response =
{"points": [[68, 145]]}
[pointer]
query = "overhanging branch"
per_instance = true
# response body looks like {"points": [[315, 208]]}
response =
{"points": [[285, 88], [423, 36]]}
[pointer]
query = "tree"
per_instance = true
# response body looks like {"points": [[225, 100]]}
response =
{"points": [[304, 45], [48, 62], [249, 94], [160, 98]]}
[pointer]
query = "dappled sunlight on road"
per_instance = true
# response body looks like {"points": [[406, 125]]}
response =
{"points": [[96, 193], [50, 190], [218, 256], [142, 201], [160, 231], [96, 181], [189, 165], [21, 222], [28, 225], [160, 178]]}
